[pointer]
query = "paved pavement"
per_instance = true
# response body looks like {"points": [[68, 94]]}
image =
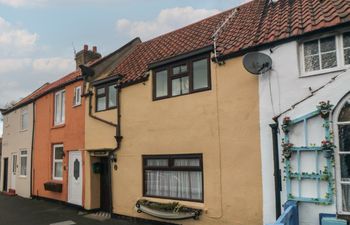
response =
{"points": [[20, 211]]}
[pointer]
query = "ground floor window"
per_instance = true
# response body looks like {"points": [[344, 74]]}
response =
{"points": [[57, 160], [173, 176], [24, 159]]}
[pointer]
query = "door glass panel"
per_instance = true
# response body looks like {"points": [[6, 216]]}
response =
{"points": [[14, 164], [345, 167], [76, 169]]}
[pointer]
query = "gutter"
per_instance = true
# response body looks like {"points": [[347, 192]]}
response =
{"points": [[277, 170]]}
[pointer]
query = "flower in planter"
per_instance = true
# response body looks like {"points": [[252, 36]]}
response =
{"points": [[286, 152], [286, 124], [328, 148], [324, 108]]}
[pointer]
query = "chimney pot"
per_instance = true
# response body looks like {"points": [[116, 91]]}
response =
{"points": [[86, 47], [94, 49]]}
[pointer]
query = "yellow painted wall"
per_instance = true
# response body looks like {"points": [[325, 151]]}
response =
{"points": [[98, 136], [222, 124]]}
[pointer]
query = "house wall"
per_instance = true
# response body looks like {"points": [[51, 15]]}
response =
{"points": [[222, 124], [71, 135], [12, 133], [287, 88]]}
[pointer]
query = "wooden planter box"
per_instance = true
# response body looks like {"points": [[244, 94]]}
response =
{"points": [[52, 186]]}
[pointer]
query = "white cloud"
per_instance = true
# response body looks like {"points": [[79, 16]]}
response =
{"points": [[21, 3], [167, 20], [53, 64], [15, 40]]}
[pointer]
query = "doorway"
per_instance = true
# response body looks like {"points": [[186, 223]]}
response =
{"points": [[105, 189], [6, 172]]}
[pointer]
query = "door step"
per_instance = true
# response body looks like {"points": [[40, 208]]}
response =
{"points": [[10, 192], [100, 216]]}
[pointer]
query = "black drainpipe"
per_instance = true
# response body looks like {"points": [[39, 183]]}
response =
{"points": [[118, 139], [277, 170], [32, 154]]}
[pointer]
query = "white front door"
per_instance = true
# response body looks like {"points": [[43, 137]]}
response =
{"points": [[75, 178], [13, 171]]}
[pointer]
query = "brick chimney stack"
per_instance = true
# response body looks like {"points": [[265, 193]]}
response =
{"points": [[85, 56]]}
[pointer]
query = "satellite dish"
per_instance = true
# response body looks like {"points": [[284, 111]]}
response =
{"points": [[257, 63]]}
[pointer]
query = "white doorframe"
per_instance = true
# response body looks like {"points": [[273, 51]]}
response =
{"points": [[13, 170], [75, 178]]}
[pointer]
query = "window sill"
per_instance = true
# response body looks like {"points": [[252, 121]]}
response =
{"points": [[22, 177], [193, 92], [77, 105], [58, 126], [21, 131], [105, 109], [322, 72]]}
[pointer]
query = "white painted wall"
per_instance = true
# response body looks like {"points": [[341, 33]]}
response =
{"points": [[279, 89], [14, 140]]}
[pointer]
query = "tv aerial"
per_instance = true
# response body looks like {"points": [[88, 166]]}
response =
{"points": [[257, 63]]}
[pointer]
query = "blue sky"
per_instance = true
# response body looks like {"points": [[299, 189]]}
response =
{"points": [[37, 37]]}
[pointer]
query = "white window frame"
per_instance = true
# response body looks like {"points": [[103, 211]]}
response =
{"points": [[59, 108], [340, 61], [77, 96], [20, 162], [24, 112], [339, 195], [54, 161]]}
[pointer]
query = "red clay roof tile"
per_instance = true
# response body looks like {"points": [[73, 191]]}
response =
{"points": [[255, 23]]}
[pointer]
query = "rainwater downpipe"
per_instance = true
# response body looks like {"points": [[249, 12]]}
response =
{"points": [[277, 170], [118, 138], [32, 154]]}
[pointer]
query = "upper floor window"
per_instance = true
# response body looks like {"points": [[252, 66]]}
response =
{"points": [[182, 78], [77, 96], [24, 120], [346, 47], [60, 99], [325, 54], [106, 97]]}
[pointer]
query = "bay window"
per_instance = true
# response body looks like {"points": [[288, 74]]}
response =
{"points": [[173, 177], [186, 77]]}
